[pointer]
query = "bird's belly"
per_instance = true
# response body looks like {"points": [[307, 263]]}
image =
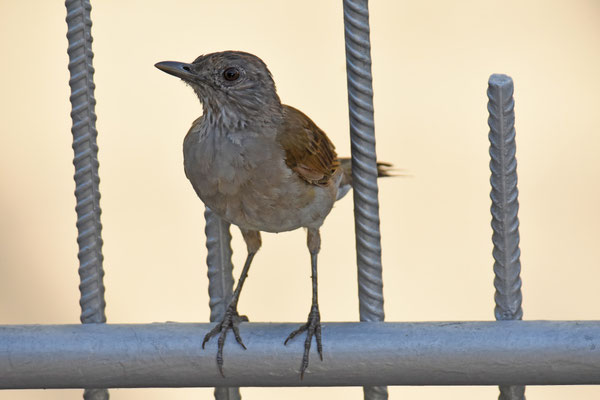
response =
{"points": [[285, 211]]}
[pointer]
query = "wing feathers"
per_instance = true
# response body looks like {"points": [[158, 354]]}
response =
{"points": [[308, 150]]}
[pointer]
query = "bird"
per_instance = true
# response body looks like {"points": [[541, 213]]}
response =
{"points": [[261, 165]]}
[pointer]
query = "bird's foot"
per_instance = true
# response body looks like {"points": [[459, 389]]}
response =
{"points": [[231, 320], [312, 328]]}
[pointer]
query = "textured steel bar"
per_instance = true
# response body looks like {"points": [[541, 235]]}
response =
{"points": [[358, 354], [504, 194], [86, 161], [505, 207], [87, 181], [220, 279], [364, 168], [510, 392]]}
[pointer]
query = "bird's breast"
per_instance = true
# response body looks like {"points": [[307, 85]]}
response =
{"points": [[244, 179]]}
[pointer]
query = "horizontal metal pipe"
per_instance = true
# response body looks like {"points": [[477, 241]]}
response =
{"points": [[355, 354]]}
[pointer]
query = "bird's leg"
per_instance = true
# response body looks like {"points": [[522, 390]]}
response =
{"points": [[232, 318], [313, 325]]}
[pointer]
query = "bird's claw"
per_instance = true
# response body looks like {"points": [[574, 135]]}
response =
{"points": [[231, 320], [312, 328]]}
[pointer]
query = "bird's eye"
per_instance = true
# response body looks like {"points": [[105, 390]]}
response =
{"points": [[231, 74]]}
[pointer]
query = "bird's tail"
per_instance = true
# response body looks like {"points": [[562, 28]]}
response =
{"points": [[384, 169]]}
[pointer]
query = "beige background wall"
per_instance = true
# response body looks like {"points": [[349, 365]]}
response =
{"points": [[431, 64]]}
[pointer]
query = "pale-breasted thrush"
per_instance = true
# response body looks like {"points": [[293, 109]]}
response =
{"points": [[259, 164]]}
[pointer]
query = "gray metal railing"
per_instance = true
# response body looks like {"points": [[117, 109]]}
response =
{"points": [[220, 278], [87, 181], [364, 168], [358, 354], [505, 207]]}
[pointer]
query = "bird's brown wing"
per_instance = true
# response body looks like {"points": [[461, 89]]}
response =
{"points": [[308, 150]]}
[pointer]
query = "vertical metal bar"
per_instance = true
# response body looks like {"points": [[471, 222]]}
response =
{"points": [[505, 206], [364, 168], [220, 279], [87, 181]]}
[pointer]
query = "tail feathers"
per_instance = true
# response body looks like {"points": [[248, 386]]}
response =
{"points": [[384, 169]]}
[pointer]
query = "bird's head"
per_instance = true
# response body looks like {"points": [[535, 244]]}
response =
{"points": [[235, 88]]}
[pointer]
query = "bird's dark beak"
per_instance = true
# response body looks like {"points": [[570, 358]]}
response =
{"points": [[178, 69]]}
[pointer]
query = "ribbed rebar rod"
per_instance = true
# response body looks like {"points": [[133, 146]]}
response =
{"points": [[357, 354], [364, 168], [220, 279], [505, 206], [87, 191]]}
